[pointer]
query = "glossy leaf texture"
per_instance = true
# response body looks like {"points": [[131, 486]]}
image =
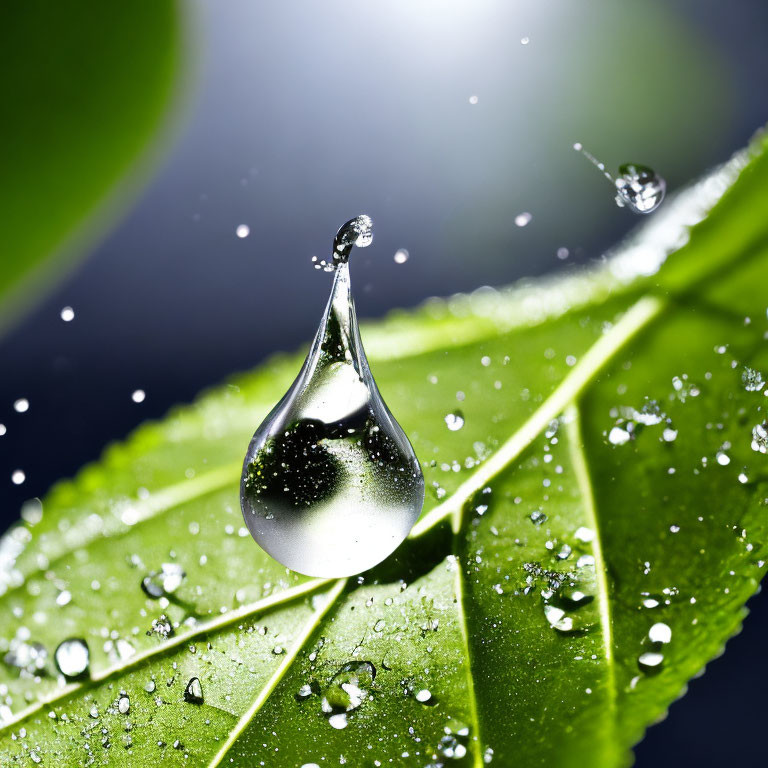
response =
{"points": [[590, 537], [84, 89]]}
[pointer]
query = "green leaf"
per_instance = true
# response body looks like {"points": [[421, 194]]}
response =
{"points": [[604, 482], [84, 88]]}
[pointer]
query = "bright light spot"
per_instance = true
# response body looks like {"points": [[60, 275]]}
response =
{"points": [[473, 99], [523, 219], [577, 146], [67, 314], [401, 256], [21, 405], [18, 477], [525, 40], [243, 231], [138, 396], [3, 430]]}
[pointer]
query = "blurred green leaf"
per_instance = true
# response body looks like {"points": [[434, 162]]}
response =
{"points": [[84, 87], [590, 536]]}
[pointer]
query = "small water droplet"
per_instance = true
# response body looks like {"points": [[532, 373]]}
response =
{"points": [[523, 219], [21, 405], [67, 314], [124, 704], [619, 435], [723, 459], [453, 745], [348, 689], [424, 696], [640, 188], [660, 633], [242, 231], [558, 619], [18, 476], [584, 534], [650, 659], [401, 256], [752, 380], [454, 421], [72, 657], [150, 686], [473, 99], [331, 485], [193, 693], [760, 438], [669, 435], [525, 40], [163, 582], [138, 396], [538, 517]]}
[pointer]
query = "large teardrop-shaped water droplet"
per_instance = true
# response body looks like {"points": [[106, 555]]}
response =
{"points": [[330, 483]]}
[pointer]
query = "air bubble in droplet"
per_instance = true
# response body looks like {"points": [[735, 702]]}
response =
{"points": [[330, 484], [72, 657]]}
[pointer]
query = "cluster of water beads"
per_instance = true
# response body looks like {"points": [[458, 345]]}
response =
{"points": [[330, 484], [632, 422], [638, 187]]}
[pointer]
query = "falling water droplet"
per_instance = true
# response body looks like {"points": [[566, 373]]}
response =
{"points": [[72, 657], [331, 485], [638, 187]]}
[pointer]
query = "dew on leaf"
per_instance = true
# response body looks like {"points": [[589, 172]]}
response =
{"points": [[454, 421], [124, 704], [193, 693], [660, 633], [538, 517], [584, 534], [424, 696], [558, 619], [72, 657], [163, 582], [161, 627], [669, 435], [28, 657], [650, 659], [348, 688], [453, 744]]}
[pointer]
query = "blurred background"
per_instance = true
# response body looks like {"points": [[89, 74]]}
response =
{"points": [[443, 121]]}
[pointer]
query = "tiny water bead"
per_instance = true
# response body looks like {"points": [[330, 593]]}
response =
{"points": [[330, 483], [193, 693], [67, 314], [638, 187]]}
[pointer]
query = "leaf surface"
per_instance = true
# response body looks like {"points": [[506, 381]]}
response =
{"points": [[83, 90], [604, 483]]}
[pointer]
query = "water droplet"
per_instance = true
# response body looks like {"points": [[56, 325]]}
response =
{"points": [[401, 256], [538, 517], [138, 396], [242, 231], [760, 438], [558, 619], [331, 485], [723, 459], [743, 478], [650, 659], [72, 657], [453, 745], [161, 626], [163, 582], [124, 705], [525, 40], [67, 314], [21, 405], [150, 686], [523, 219], [29, 657], [348, 689], [424, 696], [669, 435], [584, 534], [454, 421], [18, 476], [193, 693], [640, 188], [338, 721], [660, 633], [473, 99], [619, 435], [752, 380]]}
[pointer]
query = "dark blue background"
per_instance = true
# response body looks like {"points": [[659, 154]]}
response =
{"points": [[296, 119]]}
